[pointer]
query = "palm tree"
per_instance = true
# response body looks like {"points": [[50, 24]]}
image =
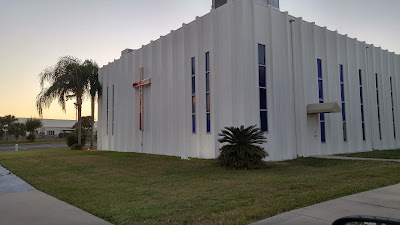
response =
{"points": [[91, 68], [242, 150], [67, 80]]}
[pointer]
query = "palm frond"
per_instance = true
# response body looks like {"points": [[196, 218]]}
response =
{"points": [[242, 148]]}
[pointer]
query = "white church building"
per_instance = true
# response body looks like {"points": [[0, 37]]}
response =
{"points": [[313, 91]]}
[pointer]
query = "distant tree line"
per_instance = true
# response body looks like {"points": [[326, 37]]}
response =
{"points": [[10, 126]]}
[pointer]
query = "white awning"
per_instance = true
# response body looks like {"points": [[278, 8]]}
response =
{"points": [[329, 107]]}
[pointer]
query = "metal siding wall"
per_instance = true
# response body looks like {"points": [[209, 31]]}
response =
{"points": [[396, 100], [100, 113], [334, 49], [335, 52], [299, 96], [231, 34]]}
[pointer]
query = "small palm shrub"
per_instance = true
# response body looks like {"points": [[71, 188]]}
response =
{"points": [[242, 150]]}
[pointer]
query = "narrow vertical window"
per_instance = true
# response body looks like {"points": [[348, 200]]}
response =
{"points": [[113, 109], [262, 74], [208, 98], [378, 106], [193, 75], [107, 118], [362, 105], [343, 100], [321, 100], [393, 118]]}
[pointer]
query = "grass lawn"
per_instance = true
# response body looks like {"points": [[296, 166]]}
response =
{"points": [[130, 188], [389, 154]]}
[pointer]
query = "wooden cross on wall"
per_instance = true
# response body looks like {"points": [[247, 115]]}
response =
{"points": [[142, 82]]}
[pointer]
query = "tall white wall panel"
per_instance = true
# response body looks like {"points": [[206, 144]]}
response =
{"points": [[231, 34]]}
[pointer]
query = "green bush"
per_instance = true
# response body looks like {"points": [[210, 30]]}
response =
{"points": [[242, 150], [76, 147], [31, 137], [72, 141]]}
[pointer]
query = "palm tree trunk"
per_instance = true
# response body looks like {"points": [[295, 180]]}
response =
{"points": [[92, 123], [79, 105]]}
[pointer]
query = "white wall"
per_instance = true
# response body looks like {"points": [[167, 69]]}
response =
{"points": [[231, 33], [312, 42]]}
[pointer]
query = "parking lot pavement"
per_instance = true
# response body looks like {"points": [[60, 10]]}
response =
{"points": [[32, 146], [21, 204], [383, 202]]}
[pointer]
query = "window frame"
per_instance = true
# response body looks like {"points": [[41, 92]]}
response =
{"points": [[362, 107], [208, 92], [343, 101], [194, 97], [322, 119], [393, 115], [113, 110], [378, 106], [263, 86], [108, 115]]}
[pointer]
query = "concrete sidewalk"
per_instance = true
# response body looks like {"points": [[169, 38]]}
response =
{"points": [[384, 202], [21, 204]]}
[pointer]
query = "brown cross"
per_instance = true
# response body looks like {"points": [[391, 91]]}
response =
{"points": [[140, 85]]}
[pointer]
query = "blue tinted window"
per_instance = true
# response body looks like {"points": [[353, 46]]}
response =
{"points": [[194, 123], [193, 104], [377, 97], [208, 96], [341, 73], [262, 76], [193, 69], [319, 65], [193, 66], [193, 85], [320, 90], [113, 109], [264, 120], [208, 123], [261, 54], [362, 104], [321, 99], [263, 98], [362, 114], [107, 111], [343, 98], [344, 131], [207, 82], [262, 79], [363, 131], [380, 132], [208, 103], [207, 61], [343, 112], [379, 115], [323, 134], [392, 100]]}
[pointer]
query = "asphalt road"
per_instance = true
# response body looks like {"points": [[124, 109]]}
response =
{"points": [[32, 146]]}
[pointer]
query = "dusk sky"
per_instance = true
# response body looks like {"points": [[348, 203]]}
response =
{"points": [[34, 34]]}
